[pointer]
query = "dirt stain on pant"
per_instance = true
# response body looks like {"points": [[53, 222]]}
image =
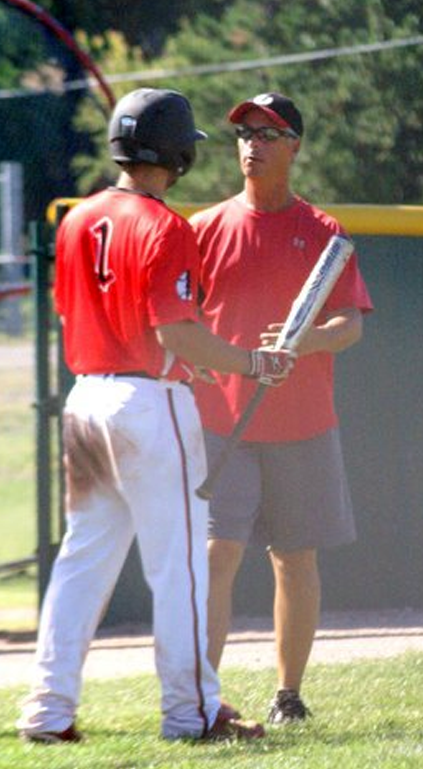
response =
{"points": [[88, 458]]}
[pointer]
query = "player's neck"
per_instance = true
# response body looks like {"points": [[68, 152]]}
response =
{"points": [[261, 196], [147, 180]]}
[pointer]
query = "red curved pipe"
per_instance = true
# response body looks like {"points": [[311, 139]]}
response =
{"points": [[34, 10]]}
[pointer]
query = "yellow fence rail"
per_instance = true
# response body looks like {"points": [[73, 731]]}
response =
{"points": [[357, 219]]}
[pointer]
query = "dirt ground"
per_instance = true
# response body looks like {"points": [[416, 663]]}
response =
{"points": [[341, 637]]}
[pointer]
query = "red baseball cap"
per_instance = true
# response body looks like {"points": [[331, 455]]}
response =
{"points": [[276, 106]]}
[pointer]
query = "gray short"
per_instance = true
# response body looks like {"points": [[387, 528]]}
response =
{"points": [[290, 496]]}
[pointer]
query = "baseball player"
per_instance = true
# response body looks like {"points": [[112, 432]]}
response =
{"points": [[125, 288]]}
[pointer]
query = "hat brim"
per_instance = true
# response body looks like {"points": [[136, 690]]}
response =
{"points": [[238, 113]]}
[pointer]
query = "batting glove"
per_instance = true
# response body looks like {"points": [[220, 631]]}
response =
{"points": [[271, 367]]}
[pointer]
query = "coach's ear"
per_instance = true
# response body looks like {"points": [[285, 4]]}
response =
{"points": [[296, 144]]}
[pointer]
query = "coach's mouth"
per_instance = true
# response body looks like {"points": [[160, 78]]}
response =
{"points": [[251, 159]]}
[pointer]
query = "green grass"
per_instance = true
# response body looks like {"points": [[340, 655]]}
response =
{"points": [[14, 589], [26, 314], [17, 464], [18, 537], [18, 595], [367, 715], [18, 601]]}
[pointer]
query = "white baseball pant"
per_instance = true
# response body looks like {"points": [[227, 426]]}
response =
{"points": [[143, 441]]}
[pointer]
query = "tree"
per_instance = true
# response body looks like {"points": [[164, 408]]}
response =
{"points": [[37, 129], [143, 24], [362, 112]]}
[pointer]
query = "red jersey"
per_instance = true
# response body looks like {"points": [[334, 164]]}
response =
{"points": [[253, 265], [125, 263]]}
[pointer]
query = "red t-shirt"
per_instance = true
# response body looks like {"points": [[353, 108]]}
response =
{"points": [[125, 264], [253, 265]]}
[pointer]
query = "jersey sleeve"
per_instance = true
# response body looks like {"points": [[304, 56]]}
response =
{"points": [[173, 276], [350, 289]]}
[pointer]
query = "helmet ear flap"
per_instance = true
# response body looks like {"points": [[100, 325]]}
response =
{"points": [[154, 126], [188, 156]]}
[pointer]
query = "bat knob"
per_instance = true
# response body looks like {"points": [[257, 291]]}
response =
{"points": [[204, 492]]}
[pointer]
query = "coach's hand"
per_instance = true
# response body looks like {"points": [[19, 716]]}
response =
{"points": [[204, 374], [271, 367]]}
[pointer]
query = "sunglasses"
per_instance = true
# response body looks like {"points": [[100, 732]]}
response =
{"points": [[264, 133]]}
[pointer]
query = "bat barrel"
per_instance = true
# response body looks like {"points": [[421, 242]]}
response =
{"points": [[315, 291]]}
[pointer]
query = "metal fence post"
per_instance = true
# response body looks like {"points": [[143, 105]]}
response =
{"points": [[43, 405], [65, 381]]}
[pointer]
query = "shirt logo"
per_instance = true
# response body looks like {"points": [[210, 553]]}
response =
{"points": [[183, 286], [299, 243]]}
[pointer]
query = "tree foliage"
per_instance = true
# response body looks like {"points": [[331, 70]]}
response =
{"points": [[362, 112], [37, 130], [143, 23]]}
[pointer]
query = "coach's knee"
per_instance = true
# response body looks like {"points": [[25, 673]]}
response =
{"points": [[225, 558], [301, 564]]}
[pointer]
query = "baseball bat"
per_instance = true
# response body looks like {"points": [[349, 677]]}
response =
{"points": [[301, 316]]}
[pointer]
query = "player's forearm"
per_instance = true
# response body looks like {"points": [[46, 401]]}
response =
{"points": [[340, 331], [197, 345]]}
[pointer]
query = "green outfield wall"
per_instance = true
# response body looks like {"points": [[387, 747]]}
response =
{"points": [[380, 403]]}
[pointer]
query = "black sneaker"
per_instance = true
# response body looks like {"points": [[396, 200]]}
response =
{"points": [[286, 707]]}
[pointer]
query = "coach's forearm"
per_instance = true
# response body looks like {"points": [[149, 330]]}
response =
{"points": [[197, 345], [340, 331]]}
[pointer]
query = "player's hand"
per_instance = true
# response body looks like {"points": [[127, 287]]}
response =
{"points": [[271, 367], [198, 372]]}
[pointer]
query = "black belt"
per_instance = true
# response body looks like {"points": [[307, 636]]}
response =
{"points": [[142, 375], [139, 374]]}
